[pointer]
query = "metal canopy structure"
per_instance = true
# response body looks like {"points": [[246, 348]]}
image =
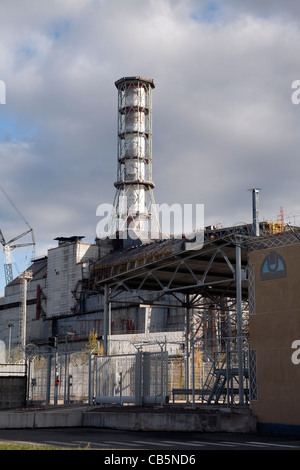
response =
{"points": [[167, 267], [148, 273]]}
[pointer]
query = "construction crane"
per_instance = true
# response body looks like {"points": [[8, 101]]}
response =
{"points": [[10, 245]]}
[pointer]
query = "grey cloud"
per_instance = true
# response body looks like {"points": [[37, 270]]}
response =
{"points": [[222, 115]]}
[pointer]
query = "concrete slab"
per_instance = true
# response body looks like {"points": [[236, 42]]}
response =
{"points": [[133, 418]]}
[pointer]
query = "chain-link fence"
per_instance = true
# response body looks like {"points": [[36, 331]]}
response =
{"points": [[115, 378], [140, 378], [210, 375], [213, 375], [58, 378]]}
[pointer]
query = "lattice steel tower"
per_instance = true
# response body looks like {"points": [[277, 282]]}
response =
{"points": [[134, 200]]}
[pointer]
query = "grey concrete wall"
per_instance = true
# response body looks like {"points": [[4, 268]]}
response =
{"points": [[12, 392], [221, 420]]}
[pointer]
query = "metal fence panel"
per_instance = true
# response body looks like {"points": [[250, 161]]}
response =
{"points": [[139, 378], [115, 378], [146, 377]]}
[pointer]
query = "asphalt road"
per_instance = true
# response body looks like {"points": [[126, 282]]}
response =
{"points": [[174, 443]]}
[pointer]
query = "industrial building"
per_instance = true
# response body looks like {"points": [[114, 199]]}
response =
{"points": [[136, 287], [63, 300], [274, 331]]}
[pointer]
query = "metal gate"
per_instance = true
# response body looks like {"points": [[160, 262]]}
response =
{"points": [[140, 379]]}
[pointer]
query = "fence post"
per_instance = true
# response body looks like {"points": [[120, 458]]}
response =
{"points": [[91, 378], [193, 369], [105, 320], [56, 380], [28, 370], [48, 379], [167, 368], [66, 379], [146, 373], [121, 387], [138, 378], [162, 376], [188, 345]]}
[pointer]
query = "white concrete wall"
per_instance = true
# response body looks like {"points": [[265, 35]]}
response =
{"points": [[66, 265], [11, 314], [65, 270]]}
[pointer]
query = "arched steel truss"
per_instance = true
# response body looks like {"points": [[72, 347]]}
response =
{"points": [[165, 271]]}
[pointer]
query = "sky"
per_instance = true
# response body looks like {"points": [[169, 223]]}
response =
{"points": [[223, 118]]}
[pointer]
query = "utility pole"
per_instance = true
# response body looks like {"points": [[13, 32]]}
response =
{"points": [[25, 277], [238, 281]]}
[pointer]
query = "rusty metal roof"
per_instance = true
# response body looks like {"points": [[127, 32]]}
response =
{"points": [[135, 78], [38, 269], [167, 266]]}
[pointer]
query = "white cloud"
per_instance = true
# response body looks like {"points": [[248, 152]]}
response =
{"points": [[223, 120]]}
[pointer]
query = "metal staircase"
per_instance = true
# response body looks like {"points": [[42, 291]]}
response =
{"points": [[221, 383]]}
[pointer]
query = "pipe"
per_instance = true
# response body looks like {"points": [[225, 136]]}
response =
{"points": [[255, 211], [120, 399], [238, 280], [117, 400]]}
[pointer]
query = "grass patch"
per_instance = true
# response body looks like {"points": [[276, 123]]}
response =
{"points": [[28, 446]]}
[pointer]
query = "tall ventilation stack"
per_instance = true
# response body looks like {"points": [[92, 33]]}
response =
{"points": [[134, 210]]}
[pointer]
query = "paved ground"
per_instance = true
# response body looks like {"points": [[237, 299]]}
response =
{"points": [[152, 441]]}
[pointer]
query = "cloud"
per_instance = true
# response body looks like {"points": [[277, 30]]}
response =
{"points": [[223, 120], [267, 9]]}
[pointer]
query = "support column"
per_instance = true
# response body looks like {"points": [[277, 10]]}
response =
{"points": [[48, 384], [92, 362], [187, 345], [56, 379], [25, 277], [255, 209], [105, 319], [238, 281], [138, 379]]}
